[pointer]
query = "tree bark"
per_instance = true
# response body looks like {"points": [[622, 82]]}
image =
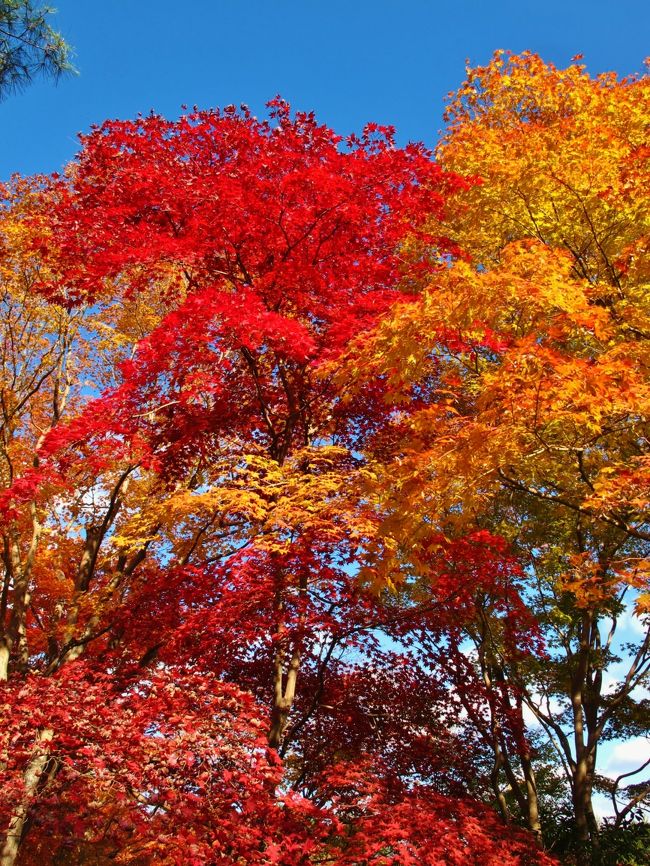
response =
{"points": [[284, 686], [32, 778]]}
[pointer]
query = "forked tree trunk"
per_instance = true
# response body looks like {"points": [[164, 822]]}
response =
{"points": [[284, 684]]}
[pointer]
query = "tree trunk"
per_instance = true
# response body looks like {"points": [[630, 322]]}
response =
{"points": [[31, 777], [284, 686]]}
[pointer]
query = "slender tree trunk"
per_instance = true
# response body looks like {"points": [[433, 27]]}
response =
{"points": [[31, 779], [5, 640], [496, 787], [5, 652], [284, 694], [525, 795], [530, 781], [581, 805], [532, 800], [284, 685], [582, 774]]}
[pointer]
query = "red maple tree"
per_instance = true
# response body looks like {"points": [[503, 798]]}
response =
{"points": [[195, 671]]}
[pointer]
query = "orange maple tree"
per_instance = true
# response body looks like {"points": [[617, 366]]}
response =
{"points": [[520, 381]]}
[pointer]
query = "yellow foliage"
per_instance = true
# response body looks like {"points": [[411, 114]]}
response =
{"points": [[533, 357]]}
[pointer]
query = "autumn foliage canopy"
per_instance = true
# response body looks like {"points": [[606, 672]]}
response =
{"points": [[323, 463]]}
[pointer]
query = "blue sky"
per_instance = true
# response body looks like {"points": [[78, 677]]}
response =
{"points": [[391, 61]]}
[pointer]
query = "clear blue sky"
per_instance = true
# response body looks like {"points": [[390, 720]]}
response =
{"points": [[391, 61]]}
